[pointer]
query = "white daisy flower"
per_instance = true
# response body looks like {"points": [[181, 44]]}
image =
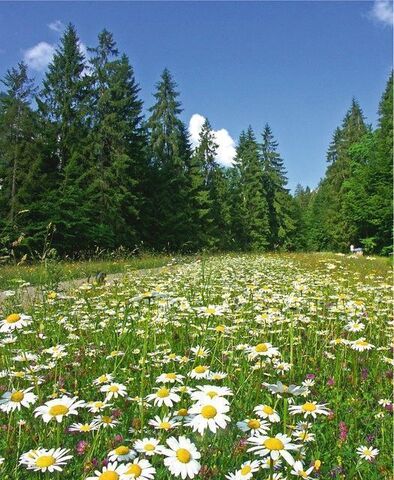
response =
{"points": [[207, 392], [106, 421], [209, 415], [163, 396], [59, 408], [165, 423], [121, 454], [105, 378], [98, 406], [267, 412], [14, 321], [246, 471], [254, 426], [262, 350], [200, 371], [274, 447], [309, 408], [140, 469], [367, 453], [170, 377], [42, 460], [298, 470], [113, 390], [199, 351], [182, 457], [148, 446], [112, 471], [361, 345], [83, 427], [16, 399]]}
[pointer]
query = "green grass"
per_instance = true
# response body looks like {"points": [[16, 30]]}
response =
{"points": [[11, 276], [148, 325]]}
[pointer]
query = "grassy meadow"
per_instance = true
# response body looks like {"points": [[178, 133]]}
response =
{"points": [[219, 367]]}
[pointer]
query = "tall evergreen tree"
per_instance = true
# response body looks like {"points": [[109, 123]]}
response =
{"points": [[170, 153], [278, 198], [332, 230], [202, 195], [253, 207], [18, 132], [116, 144], [63, 104]]}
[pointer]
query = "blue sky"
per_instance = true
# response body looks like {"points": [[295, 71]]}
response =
{"points": [[295, 65]]}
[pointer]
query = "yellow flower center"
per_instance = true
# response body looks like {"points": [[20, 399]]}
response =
{"points": [[210, 310], [113, 388], [103, 379], [58, 410], [149, 447], [220, 328], [163, 392], [122, 450], [13, 318], [254, 423], [209, 411], [261, 348], [268, 410], [45, 461], [171, 376], [85, 428], [183, 455], [106, 419], [109, 476], [367, 451], [165, 425], [99, 404], [182, 412], [17, 396], [361, 343], [135, 470], [246, 469], [273, 444], [302, 473], [212, 394], [309, 407], [200, 369]]}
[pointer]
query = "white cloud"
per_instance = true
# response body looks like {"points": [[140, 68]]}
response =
{"points": [[39, 56], [382, 11], [56, 26], [226, 146]]}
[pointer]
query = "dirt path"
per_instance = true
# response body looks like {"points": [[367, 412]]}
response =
{"points": [[32, 294]]}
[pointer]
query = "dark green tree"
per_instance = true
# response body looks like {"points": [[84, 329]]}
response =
{"points": [[278, 198], [116, 144], [169, 149], [202, 177], [253, 210]]}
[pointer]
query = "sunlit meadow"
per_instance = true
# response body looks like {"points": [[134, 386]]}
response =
{"points": [[226, 367]]}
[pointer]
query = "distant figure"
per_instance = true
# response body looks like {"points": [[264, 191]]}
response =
{"points": [[98, 278], [356, 251]]}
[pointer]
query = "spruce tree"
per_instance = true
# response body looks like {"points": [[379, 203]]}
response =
{"points": [[253, 208], [18, 131], [63, 105], [169, 151], [202, 194], [278, 199], [115, 146]]}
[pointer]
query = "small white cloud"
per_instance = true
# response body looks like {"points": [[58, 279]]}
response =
{"points": [[195, 124], [39, 56], [382, 11], [225, 152], [56, 26]]}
